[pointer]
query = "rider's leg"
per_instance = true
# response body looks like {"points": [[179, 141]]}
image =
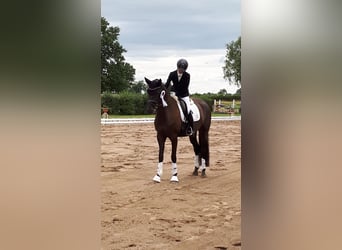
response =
{"points": [[189, 129]]}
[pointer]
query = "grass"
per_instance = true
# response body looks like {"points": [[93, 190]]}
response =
{"points": [[152, 116]]}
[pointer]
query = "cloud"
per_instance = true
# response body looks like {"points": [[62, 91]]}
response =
{"points": [[175, 24], [157, 33]]}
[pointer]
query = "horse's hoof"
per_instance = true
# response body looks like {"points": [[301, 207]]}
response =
{"points": [[203, 174], [195, 173], [174, 178], [156, 178]]}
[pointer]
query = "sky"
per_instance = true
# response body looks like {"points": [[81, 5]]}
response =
{"points": [[157, 33]]}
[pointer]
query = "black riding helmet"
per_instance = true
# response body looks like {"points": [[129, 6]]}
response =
{"points": [[182, 64]]}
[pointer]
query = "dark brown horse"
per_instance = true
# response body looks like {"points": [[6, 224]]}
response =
{"points": [[168, 124]]}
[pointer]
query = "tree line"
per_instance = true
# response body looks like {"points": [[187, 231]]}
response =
{"points": [[130, 103]]}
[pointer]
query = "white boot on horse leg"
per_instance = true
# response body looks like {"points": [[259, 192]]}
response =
{"points": [[203, 168], [174, 172], [196, 161], [156, 178]]}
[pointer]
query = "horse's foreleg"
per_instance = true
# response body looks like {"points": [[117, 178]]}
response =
{"points": [[195, 172], [161, 143], [174, 171]]}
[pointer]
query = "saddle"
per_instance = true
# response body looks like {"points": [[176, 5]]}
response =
{"points": [[183, 109], [184, 115]]}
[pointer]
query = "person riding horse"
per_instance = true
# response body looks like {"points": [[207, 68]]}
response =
{"points": [[168, 124], [180, 85]]}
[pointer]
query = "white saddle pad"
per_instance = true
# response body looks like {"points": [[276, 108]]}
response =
{"points": [[193, 108]]}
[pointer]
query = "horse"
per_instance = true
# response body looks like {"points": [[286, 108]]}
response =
{"points": [[168, 124]]}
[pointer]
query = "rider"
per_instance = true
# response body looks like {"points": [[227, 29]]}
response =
{"points": [[180, 85]]}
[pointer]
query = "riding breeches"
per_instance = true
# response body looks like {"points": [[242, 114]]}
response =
{"points": [[186, 99]]}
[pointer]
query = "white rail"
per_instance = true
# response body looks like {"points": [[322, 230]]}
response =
{"points": [[150, 120], [226, 118]]}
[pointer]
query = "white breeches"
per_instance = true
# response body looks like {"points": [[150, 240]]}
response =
{"points": [[187, 101]]}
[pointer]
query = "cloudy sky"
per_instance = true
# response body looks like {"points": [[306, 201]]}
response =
{"points": [[157, 33]]}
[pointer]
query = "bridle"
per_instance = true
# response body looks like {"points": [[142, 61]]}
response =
{"points": [[152, 89], [155, 98]]}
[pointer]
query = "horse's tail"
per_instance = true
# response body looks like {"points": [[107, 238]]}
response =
{"points": [[204, 144], [204, 130], [205, 114]]}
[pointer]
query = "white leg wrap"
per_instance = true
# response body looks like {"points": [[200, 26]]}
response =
{"points": [[156, 178], [174, 178], [174, 168], [196, 161], [160, 168], [202, 164]]}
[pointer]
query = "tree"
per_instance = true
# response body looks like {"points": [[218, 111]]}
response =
{"points": [[139, 87], [116, 74], [222, 92], [232, 68]]}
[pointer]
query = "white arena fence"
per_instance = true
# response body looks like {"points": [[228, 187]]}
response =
{"points": [[150, 120]]}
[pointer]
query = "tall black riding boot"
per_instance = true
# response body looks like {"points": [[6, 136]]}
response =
{"points": [[189, 129]]}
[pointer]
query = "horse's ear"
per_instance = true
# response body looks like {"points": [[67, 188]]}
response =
{"points": [[147, 81]]}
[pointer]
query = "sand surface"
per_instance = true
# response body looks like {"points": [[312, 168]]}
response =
{"points": [[196, 213]]}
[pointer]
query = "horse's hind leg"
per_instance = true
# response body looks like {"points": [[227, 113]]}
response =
{"points": [[197, 150], [204, 145]]}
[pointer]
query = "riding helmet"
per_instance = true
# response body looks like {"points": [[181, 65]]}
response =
{"points": [[182, 64]]}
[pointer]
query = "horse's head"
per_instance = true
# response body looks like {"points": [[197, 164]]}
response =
{"points": [[154, 90]]}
